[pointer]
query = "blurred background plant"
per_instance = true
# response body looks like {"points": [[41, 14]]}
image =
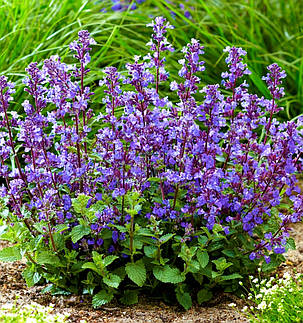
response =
{"points": [[30, 313], [270, 30]]}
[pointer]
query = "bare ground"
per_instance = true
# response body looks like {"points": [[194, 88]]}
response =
{"points": [[79, 307]]}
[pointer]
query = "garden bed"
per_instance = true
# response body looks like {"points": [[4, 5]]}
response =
{"points": [[12, 285]]}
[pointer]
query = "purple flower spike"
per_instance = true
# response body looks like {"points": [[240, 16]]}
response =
{"points": [[236, 67], [274, 80]]}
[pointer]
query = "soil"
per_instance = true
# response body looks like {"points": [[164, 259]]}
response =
{"points": [[12, 285]]}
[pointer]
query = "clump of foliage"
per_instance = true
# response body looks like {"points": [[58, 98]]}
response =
{"points": [[30, 313], [276, 299], [176, 198]]}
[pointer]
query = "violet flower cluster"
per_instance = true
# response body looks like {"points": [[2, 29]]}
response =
{"points": [[196, 163]]}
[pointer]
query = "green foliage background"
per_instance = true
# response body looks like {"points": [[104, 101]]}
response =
{"points": [[270, 31]]}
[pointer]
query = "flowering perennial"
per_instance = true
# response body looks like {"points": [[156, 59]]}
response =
{"points": [[180, 190]]}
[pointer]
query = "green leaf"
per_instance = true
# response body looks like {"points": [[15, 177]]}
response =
{"points": [[119, 227], [290, 244], [79, 232], [92, 266], [184, 299], [204, 295], [61, 227], [3, 229], [109, 259], [79, 204], [10, 254], [231, 276], [207, 271], [48, 258], [167, 274], [229, 253], [193, 266], [145, 232], [202, 240], [221, 263], [155, 179], [150, 251], [129, 297], [276, 260], [31, 277], [199, 278], [103, 297], [166, 237], [203, 258], [120, 272], [112, 280], [136, 272], [59, 241]]}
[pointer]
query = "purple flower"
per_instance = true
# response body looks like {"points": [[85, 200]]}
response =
{"points": [[267, 259], [90, 242], [99, 242], [252, 256], [98, 196], [94, 226], [115, 236]]}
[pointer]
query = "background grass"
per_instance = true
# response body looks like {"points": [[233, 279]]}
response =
{"points": [[270, 31]]}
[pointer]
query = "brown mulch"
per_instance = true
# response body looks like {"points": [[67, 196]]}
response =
{"points": [[12, 285]]}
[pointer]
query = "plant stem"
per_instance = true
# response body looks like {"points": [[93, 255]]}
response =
{"points": [[131, 238]]}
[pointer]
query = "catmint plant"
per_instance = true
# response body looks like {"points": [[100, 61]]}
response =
{"points": [[181, 193]]}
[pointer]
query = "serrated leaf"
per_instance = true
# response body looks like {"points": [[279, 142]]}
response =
{"points": [[136, 272], [167, 274], [59, 241], [203, 258], [79, 232], [150, 251], [48, 258], [10, 254], [28, 275], [112, 280], [103, 297], [184, 299], [130, 297], [204, 295]]}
